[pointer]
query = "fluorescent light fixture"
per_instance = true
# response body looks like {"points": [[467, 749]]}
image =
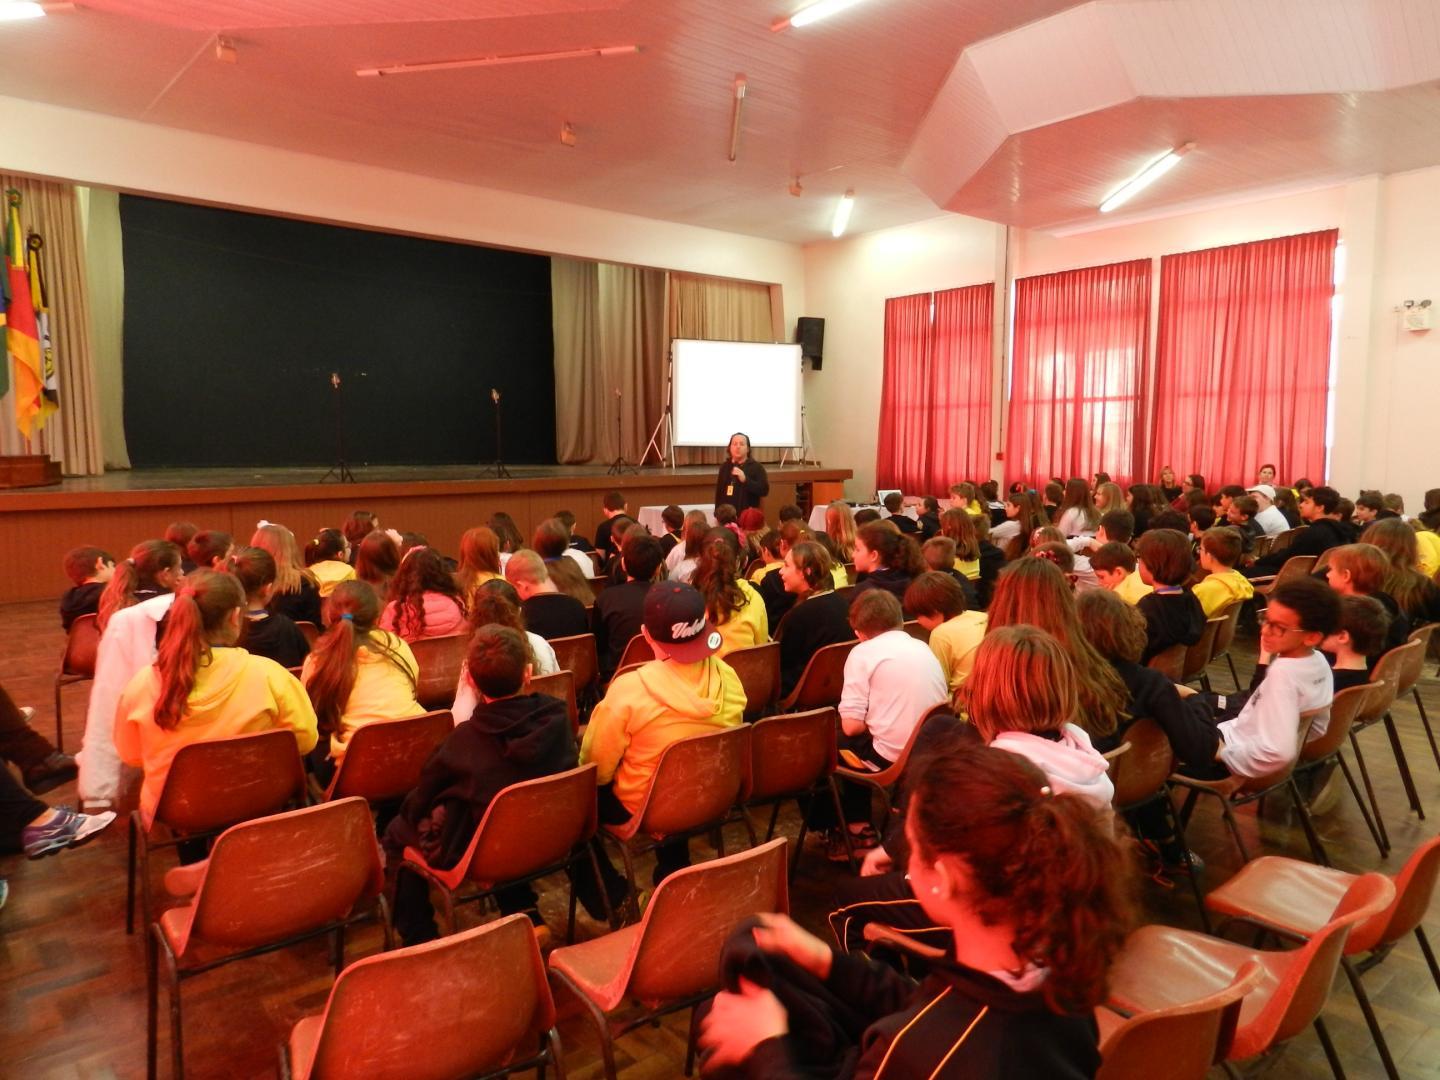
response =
{"points": [[21, 9], [495, 61], [842, 214], [735, 109], [813, 14], [1145, 177]]}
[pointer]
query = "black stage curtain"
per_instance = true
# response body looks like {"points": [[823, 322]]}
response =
{"points": [[234, 323]]}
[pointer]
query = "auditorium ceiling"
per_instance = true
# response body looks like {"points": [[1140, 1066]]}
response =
{"points": [[1028, 112]]}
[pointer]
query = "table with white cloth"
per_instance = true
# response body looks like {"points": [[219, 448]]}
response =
{"points": [[650, 516], [817, 515]]}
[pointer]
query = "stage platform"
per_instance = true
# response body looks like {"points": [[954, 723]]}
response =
{"points": [[114, 511]]}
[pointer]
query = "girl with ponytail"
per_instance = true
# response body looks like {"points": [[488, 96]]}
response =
{"points": [[202, 686], [152, 569], [297, 593], [357, 673], [1035, 895], [327, 557]]}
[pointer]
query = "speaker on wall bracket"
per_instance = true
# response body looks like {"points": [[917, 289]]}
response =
{"points": [[810, 335]]}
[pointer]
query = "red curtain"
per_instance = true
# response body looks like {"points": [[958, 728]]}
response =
{"points": [[1077, 387], [1243, 359], [935, 402]]}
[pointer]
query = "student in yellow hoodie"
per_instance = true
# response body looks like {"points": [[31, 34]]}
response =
{"points": [[731, 602], [1220, 550], [687, 690], [202, 687]]}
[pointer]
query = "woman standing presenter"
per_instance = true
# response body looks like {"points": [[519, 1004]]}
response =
{"points": [[742, 481]]}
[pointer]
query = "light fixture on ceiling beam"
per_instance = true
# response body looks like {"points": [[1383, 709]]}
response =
{"points": [[842, 214], [567, 134], [823, 9], [498, 60], [1145, 177], [225, 50], [737, 105], [795, 188]]}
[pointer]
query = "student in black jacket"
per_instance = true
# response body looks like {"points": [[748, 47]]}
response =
{"points": [[886, 559], [91, 569], [1172, 614], [264, 632], [1035, 891], [512, 736], [1322, 532], [619, 610]]}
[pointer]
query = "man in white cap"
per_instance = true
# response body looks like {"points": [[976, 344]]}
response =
{"points": [[686, 690], [1269, 518]]}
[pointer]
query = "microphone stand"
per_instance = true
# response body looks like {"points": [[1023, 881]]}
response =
{"points": [[341, 469], [498, 469], [619, 465]]}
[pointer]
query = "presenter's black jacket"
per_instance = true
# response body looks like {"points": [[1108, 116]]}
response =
{"points": [[742, 496]]}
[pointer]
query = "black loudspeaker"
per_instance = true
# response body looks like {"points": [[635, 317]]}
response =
{"points": [[810, 333]]}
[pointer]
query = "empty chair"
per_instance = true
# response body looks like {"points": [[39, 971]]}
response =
{"points": [[670, 960], [1329, 747], [560, 685], [1386, 679], [1295, 900], [487, 1011], [794, 757], [759, 671], [439, 660], [212, 785], [1188, 1038], [822, 680], [77, 665], [530, 829], [383, 759], [267, 884], [1162, 967]]}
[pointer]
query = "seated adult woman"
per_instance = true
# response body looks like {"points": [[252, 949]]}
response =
{"points": [[886, 559], [377, 557], [297, 593], [479, 562], [819, 617], [356, 674], [1034, 894], [424, 601], [731, 602], [203, 687], [497, 603]]}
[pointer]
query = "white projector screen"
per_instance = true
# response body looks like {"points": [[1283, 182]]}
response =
{"points": [[721, 387]]}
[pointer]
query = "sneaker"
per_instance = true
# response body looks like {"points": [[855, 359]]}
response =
{"points": [[65, 829], [55, 770]]}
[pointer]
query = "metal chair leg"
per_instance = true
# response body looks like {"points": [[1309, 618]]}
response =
{"points": [[1363, 998], [1317, 848], [1229, 814], [1429, 955], [1369, 790], [1360, 803], [1420, 705], [1192, 875], [1400, 760], [1233, 673], [1335, 1067]]}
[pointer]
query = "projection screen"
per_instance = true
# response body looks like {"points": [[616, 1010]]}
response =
{"points": [[721, 387]]}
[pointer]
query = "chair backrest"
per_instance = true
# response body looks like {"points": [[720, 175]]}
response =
{"points": [[1188, 1038], [284, 875], [698, 780], [751, 567], [627, 668], [439, 660], [1263, 544], [790, 754], [532, 825], [1414, 886], [1346, 707], [485, 998], [1143, 769], [897, 769], [1285, 539], [577, 654], [1170, 662], [694, 911], [1225, 635], [850, 572], [1250, 785], [918, 632], [1413, 661], [219, 782], [81, 647], [637, 651], [560, 685], [1295, 568], [1390, 670], [383, 759], [823, 678], [310, 630], [759, 671], [1305, 985], [1197, 656]]}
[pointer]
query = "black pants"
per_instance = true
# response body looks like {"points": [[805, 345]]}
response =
{"points": [[20, 744], [18, 808], [887, 899], [670, 855], [854, 798]]}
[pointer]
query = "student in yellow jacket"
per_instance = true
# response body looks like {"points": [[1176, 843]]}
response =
{"points": [[1224, 585], [202, 687], [731, 602], [687, 690]]}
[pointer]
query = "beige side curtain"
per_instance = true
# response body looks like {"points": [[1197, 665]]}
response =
{"points": [[105, 270], [718, 309], [609, 328], [71, 436]]}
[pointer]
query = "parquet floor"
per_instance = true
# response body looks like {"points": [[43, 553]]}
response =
{"points": [[72, 985]]}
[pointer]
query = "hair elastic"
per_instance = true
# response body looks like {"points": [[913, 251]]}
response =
{"points": [[1046, 791], [348, 617]]}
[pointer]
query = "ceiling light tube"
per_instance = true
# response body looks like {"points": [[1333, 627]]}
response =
{"points": [[495, 61], [842, 214], [1145, 177], [813, 14], [739, 103]]}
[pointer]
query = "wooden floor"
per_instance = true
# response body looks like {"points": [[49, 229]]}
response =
{"points": [[72, 985]]}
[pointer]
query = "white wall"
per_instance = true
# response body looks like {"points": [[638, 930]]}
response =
{"points": [[847, 283]]}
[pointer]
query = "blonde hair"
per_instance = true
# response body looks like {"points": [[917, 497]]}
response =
{"points": [[289, 567], [1022, 681], [840, 527]]}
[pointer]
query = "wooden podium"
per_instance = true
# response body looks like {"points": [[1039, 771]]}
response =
{"points": [[28, 470]]}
